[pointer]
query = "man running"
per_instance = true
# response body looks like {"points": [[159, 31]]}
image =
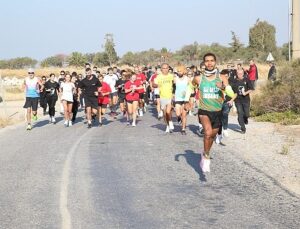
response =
{"points": [[210, 85], [32, 86], [89, 87], [181, 83], [140, 76], [164, 82], [111, 80]]}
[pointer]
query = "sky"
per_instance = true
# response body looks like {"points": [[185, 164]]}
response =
{"points": [[43, 28]]}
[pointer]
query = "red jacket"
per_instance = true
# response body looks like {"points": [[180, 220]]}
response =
{"points": [[252, 72]]}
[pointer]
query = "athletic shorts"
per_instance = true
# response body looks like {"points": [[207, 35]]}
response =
{"points": [[157, 96], [68, 102], [91, 101], [102, 105], [180, 102], [113, 94], [121, 98], [131, 101], [31, 103], [215, 117], [165, 102], [142, 95]]}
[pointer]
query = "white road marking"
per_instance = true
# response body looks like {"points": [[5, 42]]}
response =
{"points": [[63, 204]]}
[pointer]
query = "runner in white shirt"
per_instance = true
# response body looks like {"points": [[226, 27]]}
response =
{"points": [[67, 89], [111, 80]]}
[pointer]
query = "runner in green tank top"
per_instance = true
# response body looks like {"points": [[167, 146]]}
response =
{"points": [[211, 85]]}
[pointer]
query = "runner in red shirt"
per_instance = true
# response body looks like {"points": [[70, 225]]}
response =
{"points": [[132, 88], [103, 98], [140, 76]]}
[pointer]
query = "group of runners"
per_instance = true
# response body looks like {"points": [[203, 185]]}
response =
{"points": [[212, 91]]}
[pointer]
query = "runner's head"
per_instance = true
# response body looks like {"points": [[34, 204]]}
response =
{"points": [[240, 74], [110, 71], [115, 70], [165, 69], [62, 74], [73, 78], [68, 78], [101, 78], [52, 77], [136, 69], [88, 72], [181, 70], [31, 73], [133, 77], [209, 61]]}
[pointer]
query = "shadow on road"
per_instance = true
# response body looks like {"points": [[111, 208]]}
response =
{"points": [[193, 159]]}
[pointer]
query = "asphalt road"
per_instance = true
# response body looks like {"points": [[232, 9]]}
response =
{"points": [[119, 176]]}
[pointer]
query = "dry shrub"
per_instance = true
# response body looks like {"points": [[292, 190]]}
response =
{"points": [[282, 95]]}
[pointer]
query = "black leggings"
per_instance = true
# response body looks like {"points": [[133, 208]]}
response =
{"points": [[51, 100]]}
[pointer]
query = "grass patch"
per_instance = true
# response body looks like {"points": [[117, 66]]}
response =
{"points": [[284, 118]]}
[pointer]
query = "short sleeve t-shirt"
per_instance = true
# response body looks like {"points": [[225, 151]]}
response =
{"points": [[89, 87], [51, 88], [239, 86], [105, 88], [132, 96], [67, 91], [111, 81], [142, 78], [165, 85]]}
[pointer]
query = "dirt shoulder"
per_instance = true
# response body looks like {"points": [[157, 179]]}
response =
{"points": [[270, 148]]}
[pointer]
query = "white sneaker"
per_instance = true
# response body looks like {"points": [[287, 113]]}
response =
{"points": [[167, 129], [161, 114], [218, 139], [225, 133], [206, 165], [133, 124], [70, 123], [53, 120], [50, 119], [66, 123], [171, 125], [141, 113]]}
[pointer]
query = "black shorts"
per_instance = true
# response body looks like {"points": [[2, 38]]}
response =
{"points": [[121, 98], [215, 117], [193, 95], [31, 103], [91, 101], [102, 105], [113, 94], [180, 102], [131, 101], [142, 95], [157, 96]]}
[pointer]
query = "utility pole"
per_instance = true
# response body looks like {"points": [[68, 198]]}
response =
{"points": [[295, 29]]}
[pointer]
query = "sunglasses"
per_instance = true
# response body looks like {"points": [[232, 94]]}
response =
{"points": [[30, 73]]}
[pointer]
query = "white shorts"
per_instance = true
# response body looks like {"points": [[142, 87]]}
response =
{"points": [[165, 102]]}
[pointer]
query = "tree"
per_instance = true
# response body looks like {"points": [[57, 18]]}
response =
{"points": [[53, 61], [262, 37], [101, 59], [110, 49], [77, 59], [128, 58], [235, 44]]}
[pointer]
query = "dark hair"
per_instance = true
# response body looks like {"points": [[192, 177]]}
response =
{"points": [[209, 54], [95, 67], [109, 69], [87, 64], [224, 72], [52, 74], [88, 69], [62, 71], [74, 73], [98, 72]]}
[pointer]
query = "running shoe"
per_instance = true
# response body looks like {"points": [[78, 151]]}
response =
{"points": [[34, 117], [29, 127], [205, 163], [128, 123], [183, 132], [66, 123], [89, 125], [167, 129], [171, 125], [100, 124], [70, 123], [53, 120], [133, 124], [50, 120], [141, 113], [218, 138]]}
